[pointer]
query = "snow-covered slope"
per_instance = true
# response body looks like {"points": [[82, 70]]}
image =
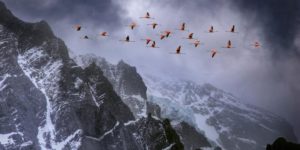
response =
{"points": [[46, 78], [221, 116]]}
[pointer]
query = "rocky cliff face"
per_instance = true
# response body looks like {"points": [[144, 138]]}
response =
{"points": [[47, 101], [222, 117], [126, 82], [282, 144]]}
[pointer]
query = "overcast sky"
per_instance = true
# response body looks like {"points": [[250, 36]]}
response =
{"points": [[268, 77]]}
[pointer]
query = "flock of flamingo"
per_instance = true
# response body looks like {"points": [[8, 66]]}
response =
{"points": [[166, 34]]}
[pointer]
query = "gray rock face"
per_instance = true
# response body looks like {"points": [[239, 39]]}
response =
{"points": [[20, 112], [282, 144], [222, 117], [190, 137], [47, 101], [145, 133], [126, 82]]}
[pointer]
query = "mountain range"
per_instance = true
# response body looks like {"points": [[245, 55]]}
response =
{"points": [[51, 98]]}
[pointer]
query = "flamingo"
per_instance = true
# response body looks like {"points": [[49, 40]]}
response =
{"points": [[256, 45], [178, 50], [211, 29], [167, 33], [154, 25], [86, 37], [77, 27], [127, 39], [213, 53], [148, 40], [190, 36], [103, 34], [132, 25], [162, 36], [229, 45], [232, 30], [153, 45], [182, 27], [196, 43], [147, 16]]}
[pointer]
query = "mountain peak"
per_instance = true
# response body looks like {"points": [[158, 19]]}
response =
{"points": [[36, 32], [122, 63], [4, 10]]}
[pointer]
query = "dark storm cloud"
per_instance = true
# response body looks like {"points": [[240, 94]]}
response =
{"points": [[279, 20], [209, 5], [97, 12]]}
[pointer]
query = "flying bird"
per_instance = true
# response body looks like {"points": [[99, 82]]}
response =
{"points": [[148, 40], [232, 30], [153, 45], [211, 29], [147, 16], [213, 53], [229, 44], [154, 25], [178, 50], [86, 37], [182, 27], [77, 27], [132, 25], [103, 34], [256, 45], [196, 43], [167, 33], [127, 39], [162, 36], [190, 36]]}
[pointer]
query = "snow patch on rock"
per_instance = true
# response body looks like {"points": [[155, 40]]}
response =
{"points": [[46, 79]]}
